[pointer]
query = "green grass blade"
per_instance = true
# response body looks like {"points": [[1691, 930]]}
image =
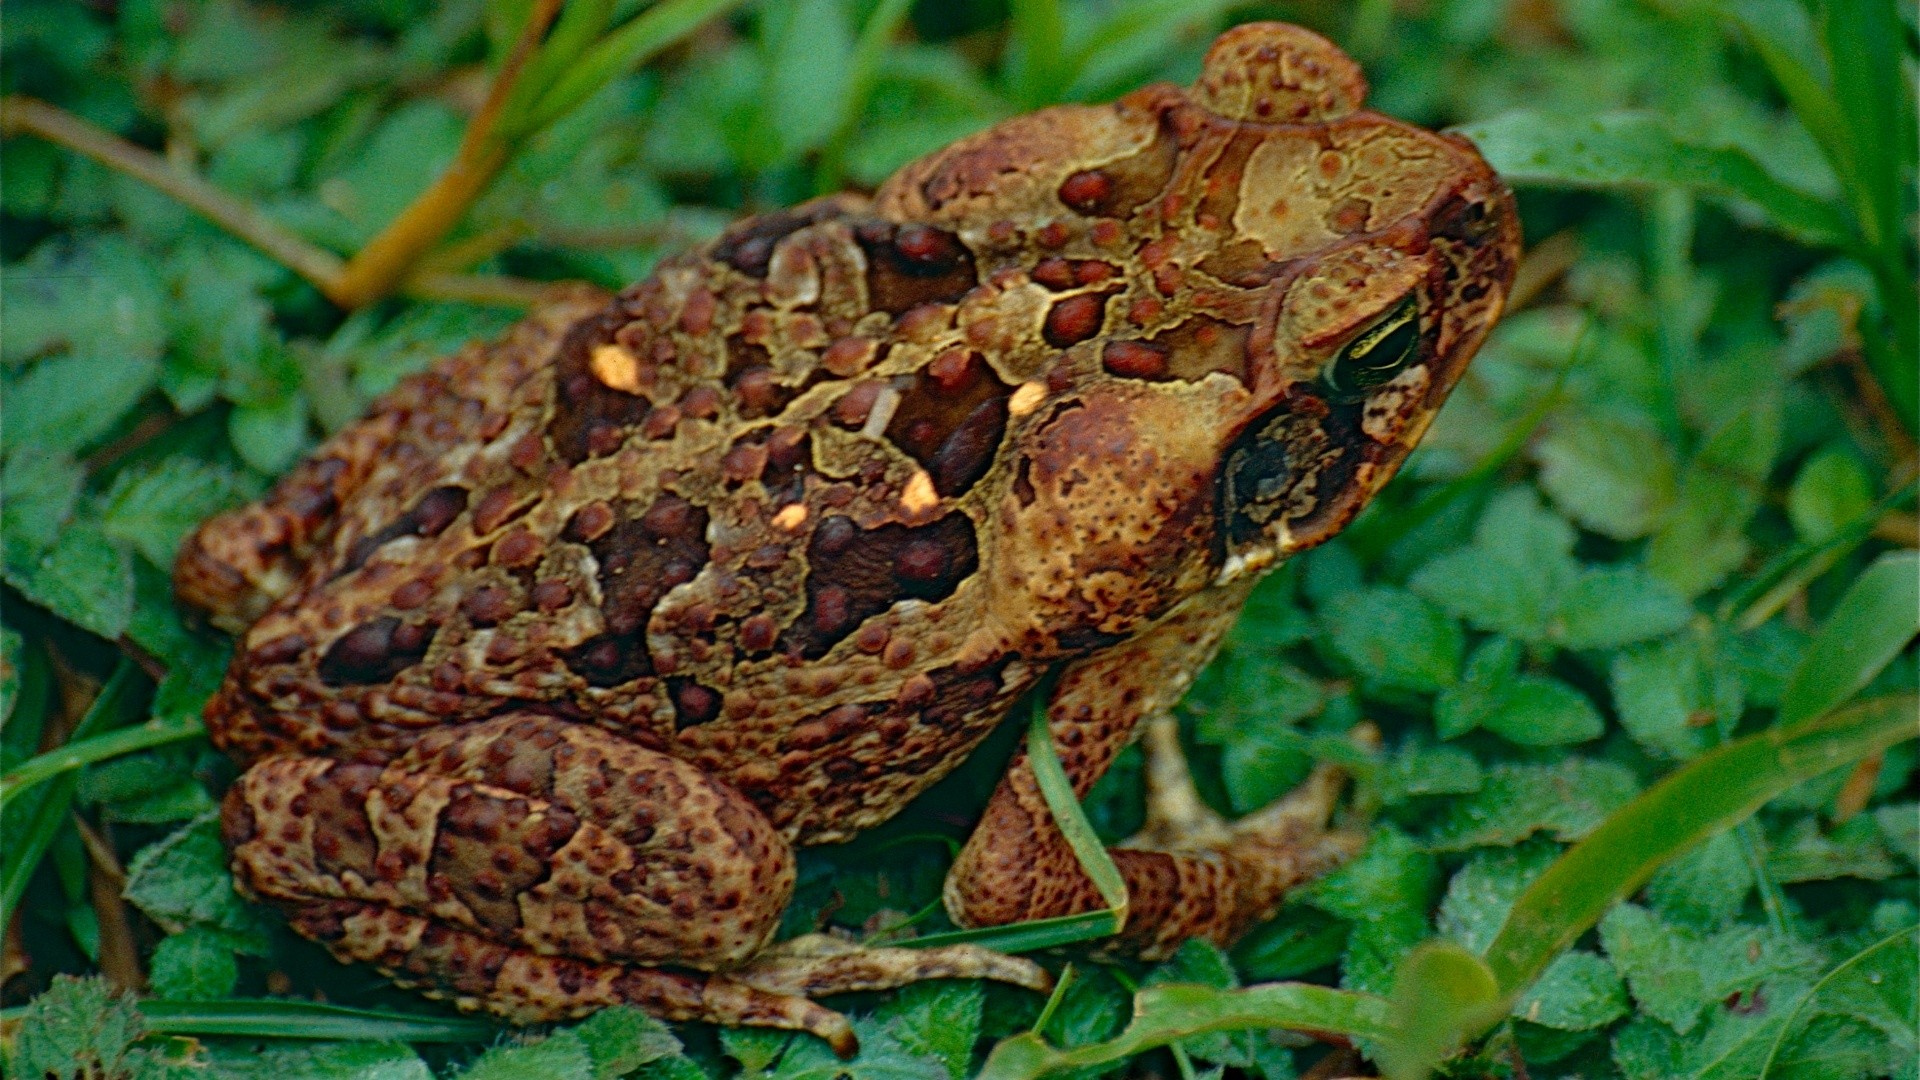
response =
{"points": [[622, 51], [1067, 813], [83, 752], [1638, 151], [1874, 620], [1782, 36], [1029, 936], [1162, 1014], [21, 854], [581, 22], [1709, 794], [863, 72], [267, 1018], [1863, 40]]}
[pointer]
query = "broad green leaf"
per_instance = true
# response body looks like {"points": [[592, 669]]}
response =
{"points": [[1704, 535], [271, 434], [938, 1021], [68, 403], [1613, 474], [76, 1030], [1674, 696], [1854, 848], [1705, 888], [91, 293], [1386, 892], [1677, 975], [1879, 986], [1708, 795], [559, 1056], [1830, 491], [84, 578], [1396, 639], [1641, 151], [193, 965], [154, 508], [183, 880], [317, 1061], [1483, 890], [1873, 621], [41, 488], [1411, 772], [1579, 991], [1567, 800], [1607, 607]]}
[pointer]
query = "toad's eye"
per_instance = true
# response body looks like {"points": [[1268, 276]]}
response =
{"points": [[1378, 354]]}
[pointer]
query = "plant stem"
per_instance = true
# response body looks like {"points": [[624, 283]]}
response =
{"points": [[379, 267], [29, 116], [319, 267]]}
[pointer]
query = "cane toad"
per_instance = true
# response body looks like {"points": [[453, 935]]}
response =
{"points": [[547, 664]]}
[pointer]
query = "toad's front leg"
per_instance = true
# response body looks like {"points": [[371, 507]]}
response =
{"points": [[1188, 874], [540, 869]]}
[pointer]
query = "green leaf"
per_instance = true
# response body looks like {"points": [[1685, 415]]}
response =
{"points": [[91, 293], [67, 403], [1415, 771], [282, 1019], [1068, 816], [1509, 580], [182, 880], [85, 578], [560, 1056], [1396, 639], [1631, 150], [1482, 891], [938, 1021], [1567, 800], [622, 1038], [1854, 848], [193, 965], [1607, 607], [318, 1061], [1676, 975], [155, 507], [1830, 492], [1611, 473], [1705, 888], [269, 435], [1878, 986], [76, 1030], [1872, 623], [1386, 891], [1579, 991], [1674, 696], [41, 488], [1704, 536], [630, 45], [809, 47]]}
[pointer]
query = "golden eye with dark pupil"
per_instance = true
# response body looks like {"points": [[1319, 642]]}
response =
{"points": [[1378, 354]]}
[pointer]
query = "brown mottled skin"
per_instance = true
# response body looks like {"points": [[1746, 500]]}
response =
{"points": [[547, 664]]}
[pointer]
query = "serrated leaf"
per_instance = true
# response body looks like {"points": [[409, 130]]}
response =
{"points": [[1611, 473], [193, 965], [1579, 991], [1482, 891], [1610, 606], [1396, 639], [938, 1021], [67, 403], [560, 1056], [1531, 710], [41, 487], [76, 1030], [85, 578], [1386, 891], [92, 293], [269, 435], [1566, 800], [154, 508], [182, 880], [1676, 975], [1427, 770], [278, 1060], [1705, 888], [1854, 848], [1673, 695]]}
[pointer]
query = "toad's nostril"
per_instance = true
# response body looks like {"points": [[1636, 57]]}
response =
{"points": [[1277, 73]]}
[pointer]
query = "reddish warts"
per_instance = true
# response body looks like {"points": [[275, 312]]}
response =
{"points": [[1073, 320]]}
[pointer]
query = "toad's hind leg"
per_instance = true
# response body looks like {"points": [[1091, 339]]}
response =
{"points": [[238, 563], [540, 869], [1188, 873]]}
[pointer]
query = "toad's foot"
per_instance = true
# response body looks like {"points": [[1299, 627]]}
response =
{"points": [[522, 986]]}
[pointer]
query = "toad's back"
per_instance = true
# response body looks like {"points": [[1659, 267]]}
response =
{"points": [[809, 507]]}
